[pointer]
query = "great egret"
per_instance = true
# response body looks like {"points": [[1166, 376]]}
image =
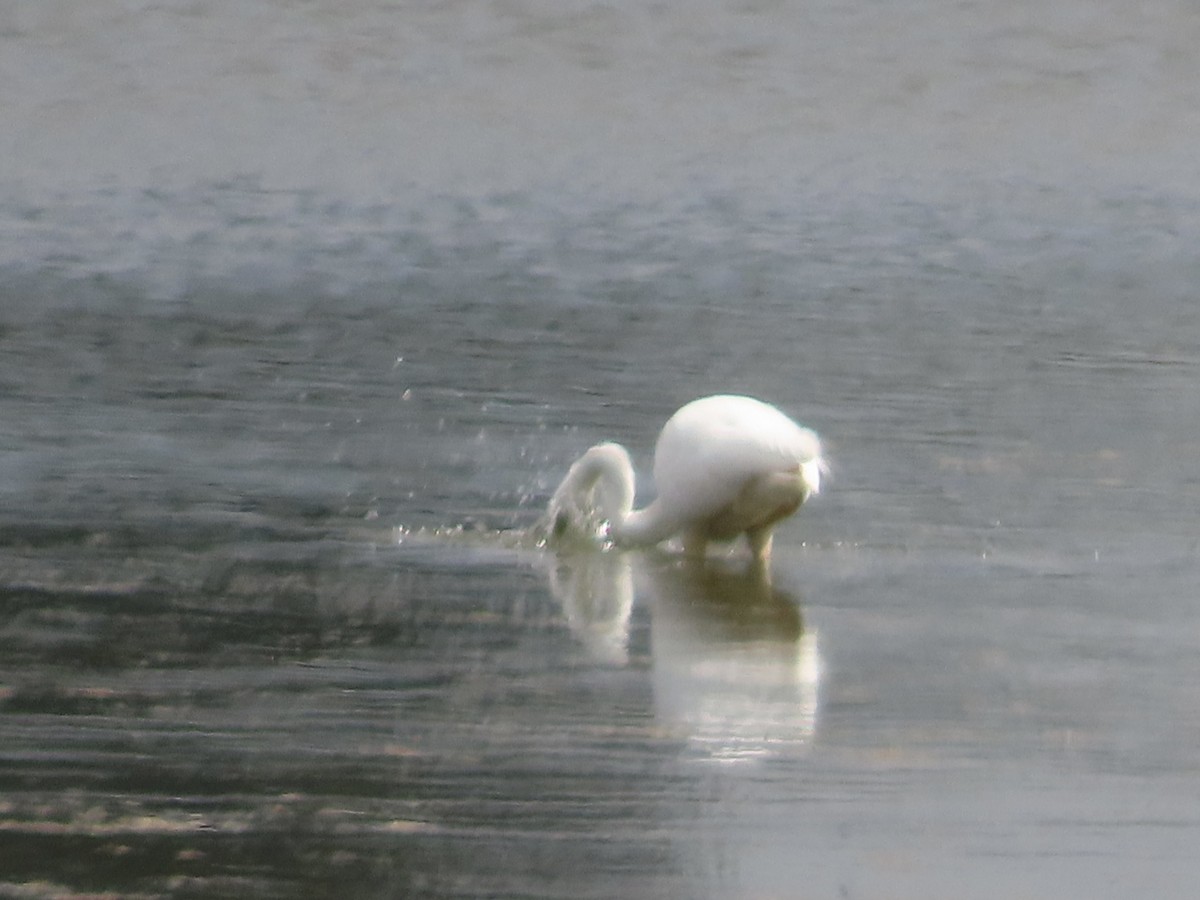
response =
{"points": [[723, 465]]}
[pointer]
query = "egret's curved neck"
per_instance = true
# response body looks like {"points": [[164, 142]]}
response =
{"points": [[605, 476], [642, 528], [602, 477]]}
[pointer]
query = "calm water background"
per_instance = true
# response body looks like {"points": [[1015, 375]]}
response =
{"points": [[305, 308]]}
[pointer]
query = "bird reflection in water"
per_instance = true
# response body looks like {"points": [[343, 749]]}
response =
{"points": [[734, 670], [596, 593]]}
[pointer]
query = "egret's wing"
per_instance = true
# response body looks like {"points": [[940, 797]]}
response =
{"points": [[710, 450]]}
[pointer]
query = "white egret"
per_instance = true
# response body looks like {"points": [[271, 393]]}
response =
{"points": [[723, 466]]}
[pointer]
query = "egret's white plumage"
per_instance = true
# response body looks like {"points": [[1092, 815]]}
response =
{"points": [[723, 466]]}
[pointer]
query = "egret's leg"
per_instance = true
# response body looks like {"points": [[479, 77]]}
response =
{"points": [[760, 543]]}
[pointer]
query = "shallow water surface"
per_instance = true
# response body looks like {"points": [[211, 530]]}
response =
{"points": [[305, 310], [456, 720]]}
